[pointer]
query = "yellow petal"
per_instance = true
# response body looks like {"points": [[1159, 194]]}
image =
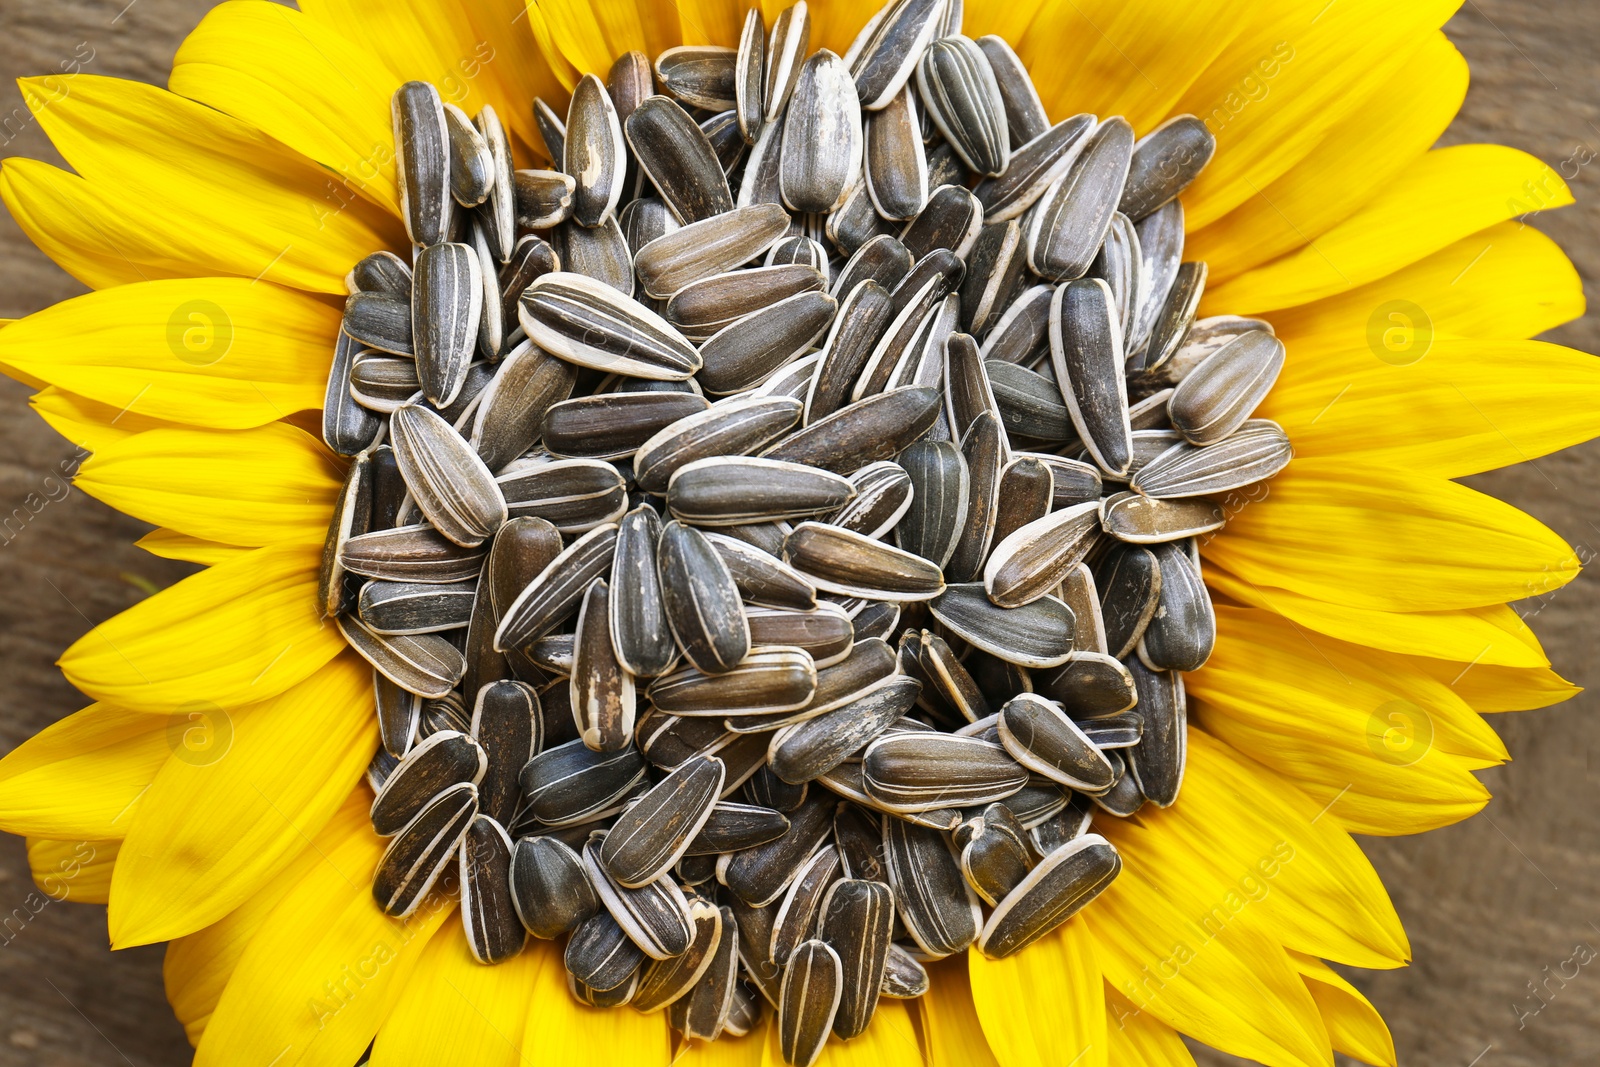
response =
{"points": [[1006, 18], [298, 82], [564, 1031], [215, 193], [1447, 195], [456, 1010], [268, 778], [171, 545], [1231, 988], [1468, 406], [1286, 79], [1251, 843], [1377, 538], [1134, 59], [323, 972], [75, 870], [890, 1041], [1490, 635], [1507, 282], [216, 352], [83, 776], [1138, 1039], [725, 1051], [1359, 156], [197, 967], [1491, 689], [86, 423], [240, 633], [1044, 1005], [241, 487], [951, 1030], [1354, 1025], [476, 53]]}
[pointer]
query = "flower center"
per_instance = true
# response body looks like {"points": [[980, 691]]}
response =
{"points": [[776, 531]]}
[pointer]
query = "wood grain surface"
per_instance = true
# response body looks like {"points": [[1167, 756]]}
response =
{"points": [[1495, 907]]}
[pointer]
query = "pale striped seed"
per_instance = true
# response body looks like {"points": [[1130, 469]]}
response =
{"points": [[554, 593], [730, 490], [574, 495], [1086, 353], [843, 561], [1256, 451], [1120, 265], [933, 523], [417, 553], [809, 750], [425, 664], [701, 601], [1021, 334], [855, 221], [764, 682], [701, 309], [380, 272], [1025, 114], [791, 380], [492, 314], [422, 165], [1037, 635], [1146, 520], [1173, 320], [419, 853], [594, 152], [352, 517], [599, 252], [570, 783], [347, 426], [797, 912], [711, 246], [787, 48], [744, 1013], [904, 978], [603, 697], [923, 771], [996, 266], [552, 131], [663, 982], [679, 160], [823, 110], [762, 579], [886, 54], [398, 712], [1069, 222], [543, 198], [874, 428], [759, 184], [946, 674], [746, 351], [1183, 630], [499, 213], [1032, 561], [494, 934], [699, 75], [824, 632], [1129, 579], [749, 68], [438, 762], [392, 608], [1219, 395], [1165, 161], [614, 425], [808, 1002], [450, 484], [883, 493], [982, 451], [1040, 736], [940, 911], [704, 1012], [657, 829], [1054, 891], [655, 916], [727, 142], [589, 323], [958, 87]]}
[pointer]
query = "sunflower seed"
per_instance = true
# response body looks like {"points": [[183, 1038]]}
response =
{"points": [[1183, 629], [1086, 352], [1037, 635], [923, 771], [727, 142], [824, 632], [471, 164], [410, 554], [594, 152], [765, 682], [1054, 891], [499, 213], [731, 827], [511, 413], [638, 624], [761, 579], [448, 481], [707, 306], [895, 164], [699, 75], [759, 875], [493, 930], [843, 561], [703, 1013], [701, 601], [418, 854], [711, 246], [392, 608], [744, 1012], [1021, 333], [549, 887], [437, 762], [797, 913], [1160, 241], [381, 272], [744, 352], [1025, 114], [587, 322], [1129, 580], [869, 663], [1172, 321], [1256, 451], [883, 259], [679, 160], [855, 221], [824, 110], [939, 909], [982, 449], [1030, 404], [629, 82], [656, 830], [958, 87], [1089, 685], [655, 916], [1069, 222], [749, 66], [1033, 560], [787, 48], [601, 955], [808, 1002], [1146, 520], [1165, 161], [811, 749], [1218, 396], [1041, 737], [543, 198], [663, 982], [614, 425], [507, 723], [552, 131], [398, 711], [555, 591], [953, 682], [877, 427], [904, 978], [952, 218], [856, 329], [570, 783], [347, 426], [726, 491], [382, 383], [603, 700], [425, 664], [600, 252], [884, 61], [932, 525], [422, 147], [379, 320], [994, 852]]}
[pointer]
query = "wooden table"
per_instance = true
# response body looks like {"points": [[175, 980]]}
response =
{"points": [[1490, 905]]}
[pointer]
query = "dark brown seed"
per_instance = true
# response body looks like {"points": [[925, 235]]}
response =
{"points": [[746, 351], [951, 219], [347, 427], [1070, 221], [421, 139], [787, 49], [1039, 735], [811, 749], [494, 933], [1025, 114], [549, 887], [708, 247], [1038, 635], [932, 526], [1165, 161], [587, 322], [958, 87], [994, 852], [603, 701], [727, 491], [762, 579], [552, 131], [594, 152], [507, 723], [748, 69], [543, 198], [601, 955], [557, 589], [707, 306], [511, 413], [904, 978], [1217, 397], [843, 561], [379, 320], [877, 427], [1034, 559], [410, 554], [855, 332], [1089, 685], [764, 682], [759, 875], [425, 664], [894, 163], [983, 450], [701, 601], [570, 783], [885, 55], [1183, 630], [418, 854], [600, 252], [796, 917], [808, 1002], [435, 764], [824, 110], [700, 75], [1031, 405], [923, 771], [1256, 451], [651, 835], [381, 272], [704, 1012], [1055, 890], [679, 160], [1129, 580], [823, 632], [663, 982], [883, 259], [655, 916], [939, 909], [1086, 352]]}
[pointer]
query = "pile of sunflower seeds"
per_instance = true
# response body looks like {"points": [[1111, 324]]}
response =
{"points": [[775, 531]]}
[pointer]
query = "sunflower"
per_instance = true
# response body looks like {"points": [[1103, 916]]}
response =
{"points": [[215, 795]]}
